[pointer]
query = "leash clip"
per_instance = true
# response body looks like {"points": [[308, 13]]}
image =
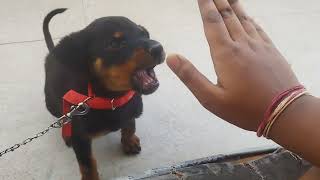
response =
{"points": [[80, 110]]}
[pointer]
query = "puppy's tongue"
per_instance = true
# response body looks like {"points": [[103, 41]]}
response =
{"points": [[144, 77], [146, 81]]}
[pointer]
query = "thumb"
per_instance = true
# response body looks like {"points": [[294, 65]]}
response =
{"points": [[205, 91]]}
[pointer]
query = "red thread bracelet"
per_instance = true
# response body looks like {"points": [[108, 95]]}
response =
{"points": [[282, 107], [274, 103]]}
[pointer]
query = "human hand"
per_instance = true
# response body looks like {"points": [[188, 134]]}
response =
{"points": [[250, 69]]}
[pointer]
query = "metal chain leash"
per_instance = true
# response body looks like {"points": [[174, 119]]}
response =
{"points": [[80, 110]]}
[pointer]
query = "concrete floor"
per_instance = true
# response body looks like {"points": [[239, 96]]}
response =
{"points": [[174, 127]]}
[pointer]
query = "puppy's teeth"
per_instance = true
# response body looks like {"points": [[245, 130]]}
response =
{"points": [[149, 80], [144, 73]]}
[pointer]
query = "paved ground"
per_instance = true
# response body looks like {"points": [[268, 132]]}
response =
{"points": [[174, 127]]}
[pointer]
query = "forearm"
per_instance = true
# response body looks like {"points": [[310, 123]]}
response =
{"points": [[298, 129]]}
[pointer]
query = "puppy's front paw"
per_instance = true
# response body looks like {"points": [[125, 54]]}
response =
{"points": [[90, 177], [131, 145], [89, 173]]}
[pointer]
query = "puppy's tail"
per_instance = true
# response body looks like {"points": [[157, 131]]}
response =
{"points": [[46, 32]]}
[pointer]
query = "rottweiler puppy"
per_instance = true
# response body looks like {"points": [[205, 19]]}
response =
{"points": [[114, 55]]}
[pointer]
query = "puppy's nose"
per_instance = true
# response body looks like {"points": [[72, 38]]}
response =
{"points": [[156, 51]]}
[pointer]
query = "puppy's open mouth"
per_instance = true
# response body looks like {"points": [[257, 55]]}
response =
{"points": [[145, 81]]}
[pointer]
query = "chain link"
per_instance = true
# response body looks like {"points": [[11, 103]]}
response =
{"points": [[65, 119]]}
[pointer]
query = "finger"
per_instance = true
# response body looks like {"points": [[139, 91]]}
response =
{"points": [[216, 32], [206, 92], [230, 19], [261, 32], [244, 19]]}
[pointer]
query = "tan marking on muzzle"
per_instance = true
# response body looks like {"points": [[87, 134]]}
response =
{"points": [[118, 77], [98, 65]]}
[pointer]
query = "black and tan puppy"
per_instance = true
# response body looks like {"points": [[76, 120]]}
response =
{"points": [[114, 55]]}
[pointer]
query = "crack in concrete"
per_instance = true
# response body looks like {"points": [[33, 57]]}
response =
{"points": [[255, 169]]}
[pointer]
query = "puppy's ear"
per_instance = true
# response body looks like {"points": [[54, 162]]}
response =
{"points": [[73, 50], [144, 30]]}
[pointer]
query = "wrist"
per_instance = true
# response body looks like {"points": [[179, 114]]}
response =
{"points": [[278, 105], [293, 117]]}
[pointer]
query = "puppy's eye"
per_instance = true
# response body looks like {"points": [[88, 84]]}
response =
{"points": [[123, 44], [117, 44], [114, 44]]}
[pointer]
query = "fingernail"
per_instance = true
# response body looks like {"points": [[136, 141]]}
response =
{"points": [[174, 61]]}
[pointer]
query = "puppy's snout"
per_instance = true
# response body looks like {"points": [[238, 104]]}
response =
{"points": [[157, 52]]}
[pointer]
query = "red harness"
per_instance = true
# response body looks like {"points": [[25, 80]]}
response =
{"points": [[74, 98]]}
